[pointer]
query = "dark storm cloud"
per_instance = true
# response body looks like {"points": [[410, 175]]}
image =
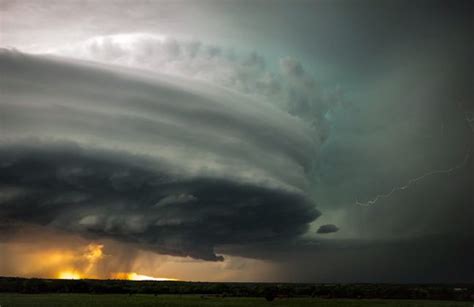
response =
{"points": [[407, 70], [111, 154], [113, 194], [328, 228]]}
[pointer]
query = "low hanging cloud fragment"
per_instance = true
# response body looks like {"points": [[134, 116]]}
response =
{"points": [[171, 164], [328, 228]]}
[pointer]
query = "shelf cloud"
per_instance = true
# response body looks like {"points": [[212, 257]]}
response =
{"points": [[168, 163]]}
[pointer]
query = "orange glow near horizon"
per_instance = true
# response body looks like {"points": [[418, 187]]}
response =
{"points": [[83, 264], [80, 265], [123, 276], [72, 258], [69, 275], [135, 276]]}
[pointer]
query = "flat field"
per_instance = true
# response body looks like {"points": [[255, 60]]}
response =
{"points": [[92, 300]]}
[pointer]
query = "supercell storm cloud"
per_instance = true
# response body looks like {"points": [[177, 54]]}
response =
{"points": [[318, 141], [176, 165]]}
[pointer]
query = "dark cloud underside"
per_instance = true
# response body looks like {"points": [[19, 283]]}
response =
{"points": [[73, 161]]}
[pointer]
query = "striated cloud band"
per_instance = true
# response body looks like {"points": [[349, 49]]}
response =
{"points": [[168, 163]]}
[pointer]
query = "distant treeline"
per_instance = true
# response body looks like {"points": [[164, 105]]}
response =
{"points": [[267, 290]]}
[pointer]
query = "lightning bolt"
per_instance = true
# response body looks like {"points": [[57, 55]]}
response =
{"points": [[469, 118], [415, 180]]}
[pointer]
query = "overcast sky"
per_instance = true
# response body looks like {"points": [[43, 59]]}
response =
{"points": [[323, 141]]}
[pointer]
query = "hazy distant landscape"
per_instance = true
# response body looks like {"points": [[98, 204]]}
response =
{"points": [[53, 292]]}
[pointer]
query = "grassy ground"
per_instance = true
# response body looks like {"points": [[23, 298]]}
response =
{"points": [[91, 300]]}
